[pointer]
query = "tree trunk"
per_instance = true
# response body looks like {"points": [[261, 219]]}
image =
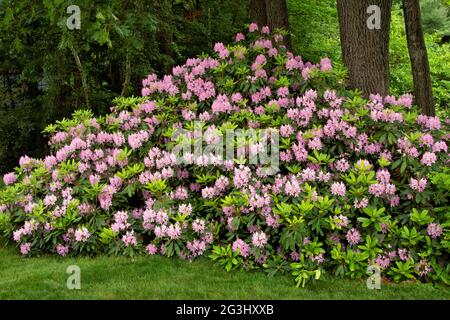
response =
{"points": [[418, 56], [277, 16], [258, 12], [365, 51]]}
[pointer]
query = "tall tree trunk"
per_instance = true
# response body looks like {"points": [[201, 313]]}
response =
{"points": [[365, 51], [258, 12], [277, 16], [418, 56]]}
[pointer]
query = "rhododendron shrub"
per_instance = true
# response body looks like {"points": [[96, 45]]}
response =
{"points": [[356, 184]]}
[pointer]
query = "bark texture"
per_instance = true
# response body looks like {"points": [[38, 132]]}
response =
{"points": [[423, 92], [258, 12], [365, 51]]}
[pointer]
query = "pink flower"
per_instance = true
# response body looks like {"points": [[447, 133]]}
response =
{"points": [[395, 200], [260, 61], [240, 37], [440, 146], [129, 239], [342, 165], [286, 130], [431, 123], [403, 254], [272, 52], [306, 73], [353, 236], [236, 97], [209, 193], [259, 239], [9, 178], [173, 231], [405, 100], [196, 247], [361, 204], [185, 209], [225, 53], [318, 258], [198, 225], [221, 184], [377, 189], [50, 200], [82, 235], [292, 188], [62, 250], [50, 161], [26, 161], [137, 139], [423, 268], [241, 176], [278, 38], [418, 185], [94, 179], [25, 248], [242, 246], [265, 30], [293, 64], [186, 95], [151, 249], [315, 144], [338, 189], [325, 64], [434, 230], [120, 221], [283, 92], [382, 261], [340, 221], [253, 27], [221, 104], [383, 176], [324, 177], [105, 199], [295, 256], [308, 174], [427, 140], [428, 159]]}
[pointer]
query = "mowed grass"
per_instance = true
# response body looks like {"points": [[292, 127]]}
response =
{"points": [[164, 278]]}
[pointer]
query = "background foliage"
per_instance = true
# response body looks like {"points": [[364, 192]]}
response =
{"points": [[120, 42]]}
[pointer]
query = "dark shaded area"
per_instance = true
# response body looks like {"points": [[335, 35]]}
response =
{"points": [[48, 71]]}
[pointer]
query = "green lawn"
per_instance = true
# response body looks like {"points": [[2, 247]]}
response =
{"points": [[164, 278]]}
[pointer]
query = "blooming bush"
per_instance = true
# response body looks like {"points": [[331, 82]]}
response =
{"points": [[356, 183]]}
